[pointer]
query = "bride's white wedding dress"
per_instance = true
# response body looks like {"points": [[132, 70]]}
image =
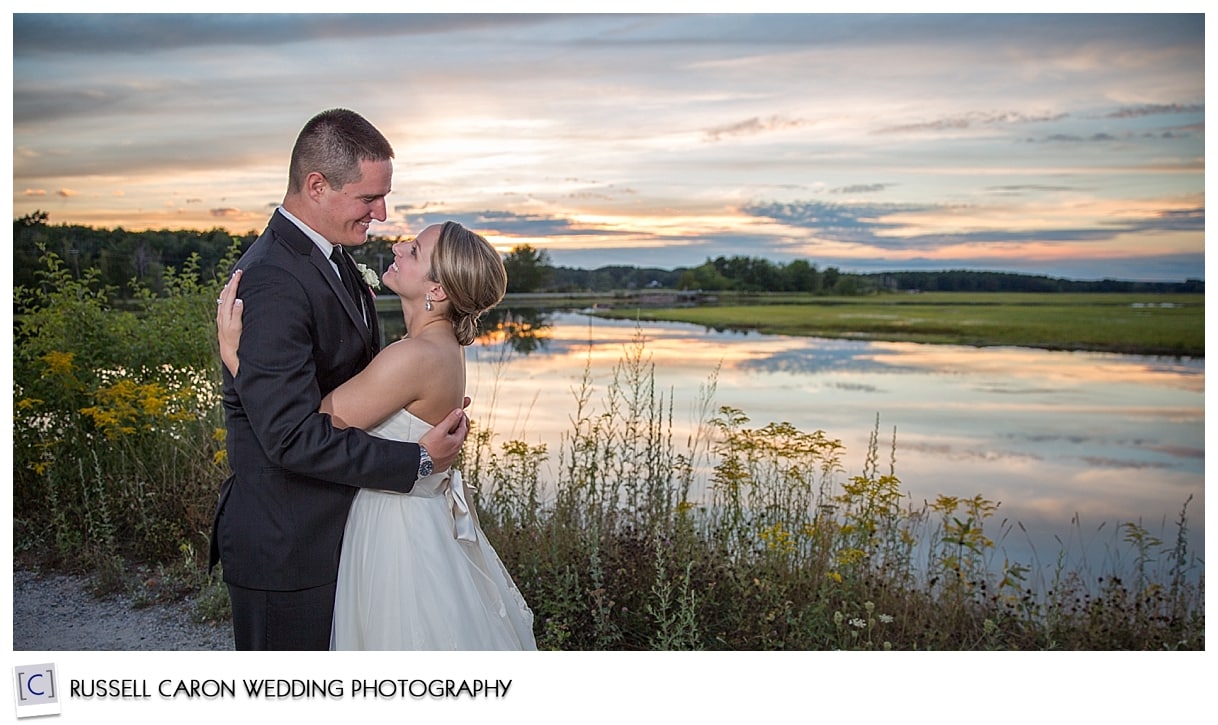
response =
{"points": [[417, 572]]}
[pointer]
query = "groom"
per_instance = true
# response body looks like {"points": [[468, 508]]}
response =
{"points": [[280, 516]]}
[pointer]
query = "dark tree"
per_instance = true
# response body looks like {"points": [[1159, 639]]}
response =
{"points": [[528, 269]]}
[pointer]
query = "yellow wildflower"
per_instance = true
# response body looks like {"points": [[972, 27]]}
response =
{"points": [[59, 363]]}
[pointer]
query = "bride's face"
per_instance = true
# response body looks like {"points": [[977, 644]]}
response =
{"points": [[407, 276]]}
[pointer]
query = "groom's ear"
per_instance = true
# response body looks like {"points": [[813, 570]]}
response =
{"points": [[315, 184]]}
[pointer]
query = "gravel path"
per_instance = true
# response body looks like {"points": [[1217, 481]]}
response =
{"points": [[54, 612]]}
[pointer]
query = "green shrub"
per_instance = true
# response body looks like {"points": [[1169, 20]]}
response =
{"points": [[118, 445]]}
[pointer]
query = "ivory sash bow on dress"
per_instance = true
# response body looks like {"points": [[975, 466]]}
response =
{"points": [[464, 528]]}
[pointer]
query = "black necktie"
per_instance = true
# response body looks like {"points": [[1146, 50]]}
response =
{"points": [[346, 272]]}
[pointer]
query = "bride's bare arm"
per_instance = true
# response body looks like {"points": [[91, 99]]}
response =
{"points": [[363, 401], [408, 372], [387, 385]]}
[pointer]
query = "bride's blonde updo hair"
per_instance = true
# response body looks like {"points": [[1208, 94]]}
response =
{"points": [[472, 274]]}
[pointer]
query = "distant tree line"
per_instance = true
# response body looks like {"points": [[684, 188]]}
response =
{"points": [[119, 255], [744, 274], [977, 281], [125, 257], [754, 274]]}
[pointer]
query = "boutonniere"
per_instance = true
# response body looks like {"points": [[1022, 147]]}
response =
{"points": [[370, 278]]}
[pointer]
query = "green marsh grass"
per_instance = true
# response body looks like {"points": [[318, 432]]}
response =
{"points": [[1150, 324]]}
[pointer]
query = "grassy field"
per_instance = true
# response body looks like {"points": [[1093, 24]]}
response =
{"points": [[1145, 324]]}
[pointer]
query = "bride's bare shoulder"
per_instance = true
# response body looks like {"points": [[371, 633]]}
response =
{"points": [[413, 351]]}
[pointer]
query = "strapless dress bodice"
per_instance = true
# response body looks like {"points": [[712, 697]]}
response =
{"points": [[404, 426]]}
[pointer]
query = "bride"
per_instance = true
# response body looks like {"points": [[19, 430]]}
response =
{"points": [[416, 571]]}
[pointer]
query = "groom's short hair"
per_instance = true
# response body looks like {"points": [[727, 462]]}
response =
{"points": [[334, 142]]}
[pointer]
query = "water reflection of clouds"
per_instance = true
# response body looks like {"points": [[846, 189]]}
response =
{"points": [[855, 387], [573, 335], [821, 356], [1136, 452], [957, 453], [1122, 463], [1185, 453], [682, 344], [1074, 438], [1137, 495], [1048, 434], [1179, 451], [1008, 389], [1047, 368]]}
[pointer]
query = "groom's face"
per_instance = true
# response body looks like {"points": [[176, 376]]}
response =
{"points": [[347, 213]]}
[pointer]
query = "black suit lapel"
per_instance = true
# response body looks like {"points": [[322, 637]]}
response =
{"points": [[299, 242], [323, 266]]}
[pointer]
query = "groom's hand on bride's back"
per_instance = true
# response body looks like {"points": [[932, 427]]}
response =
{"points": [[443, 442]]}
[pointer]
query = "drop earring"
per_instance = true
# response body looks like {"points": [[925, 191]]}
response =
{"points": [[427, 302]]}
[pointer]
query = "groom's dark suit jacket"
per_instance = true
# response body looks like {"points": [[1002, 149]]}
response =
{"points": [[280, 517]]}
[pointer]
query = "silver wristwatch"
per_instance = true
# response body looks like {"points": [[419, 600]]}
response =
{"points": [[425, 464]]}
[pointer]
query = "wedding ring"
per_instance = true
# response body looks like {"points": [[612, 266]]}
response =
{"points": [[219, 301]]}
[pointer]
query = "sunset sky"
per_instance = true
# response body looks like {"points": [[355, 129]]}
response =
{"points": [[1066, 145]]}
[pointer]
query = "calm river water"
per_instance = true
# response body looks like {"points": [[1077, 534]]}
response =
{"points": [[1070, 444]]}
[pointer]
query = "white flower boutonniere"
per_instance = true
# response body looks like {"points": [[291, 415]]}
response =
{"points": [[370, 278]]}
